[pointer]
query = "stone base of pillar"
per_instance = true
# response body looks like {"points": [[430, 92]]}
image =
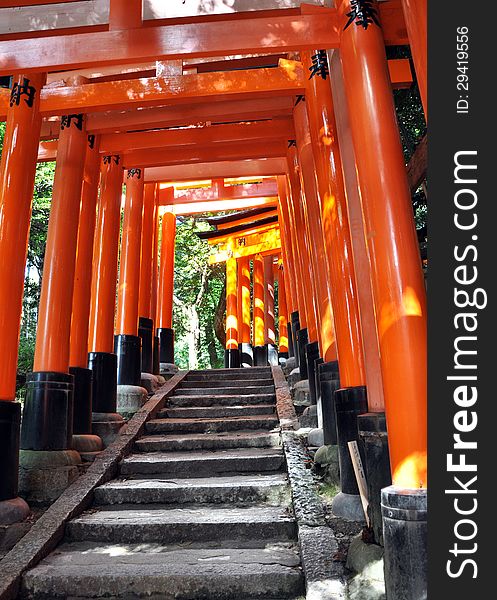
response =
{"points": [[317, 386], [156, 357], [405, 540], [329, 383], [312, 354], [373, 435], [260, 356], [168, 370], [82, 405], [231, 358], [302, 342], [272, 355], [166, 345], [246, 355], [104, 387], [146, 334], [45, 474], [349, 403], [48, 412], [88, 446], [107, 426], [290, 338], [130, 398], [10, 421], [295, 326], [150, 382], [13, 511], [128, 351]]}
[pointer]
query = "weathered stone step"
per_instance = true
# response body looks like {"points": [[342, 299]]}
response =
{"points": [[93, 570], [225, 391], [222, 383], [211, 425], [252, 373], [203, 464], [129, 524], [217, 400], [271, 488], [207, 412], [203, 441]]}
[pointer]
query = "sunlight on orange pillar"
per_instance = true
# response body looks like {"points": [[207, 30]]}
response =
{"points": [[398, 285], [415, 15], [244, 289], [335, 223], [231, 306], [286, 245], [166, 279], [155, 258], [147, 250], [302, 247], [311, 208], [105, 253], [17, 176], [282, 312], [258, 283], [269, 325], [54, 314], [128, 289], [78, 355]]}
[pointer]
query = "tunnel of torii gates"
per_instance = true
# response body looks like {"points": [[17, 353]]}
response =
{"points": [[287, 114]]}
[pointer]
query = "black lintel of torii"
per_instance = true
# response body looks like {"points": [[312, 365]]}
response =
{"points": [[241, 214], [207, 235]]}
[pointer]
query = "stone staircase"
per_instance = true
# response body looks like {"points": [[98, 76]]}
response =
{"points": [[202, 509]]}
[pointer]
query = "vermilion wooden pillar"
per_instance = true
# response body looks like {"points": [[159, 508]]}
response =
{"points": [[415, 14], [127, 343], [260, 351], [269, 318], [282, 314], [166, 287], [335, 223], [231, 354], [398, 286], [47, 418], [101, 358], [246, 356], [17, 175], [146, 321], [155, 282], [312, 216], [78, 355]]}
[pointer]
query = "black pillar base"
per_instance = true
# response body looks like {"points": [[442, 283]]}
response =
{"points": [[166, 344], [232, 358], [82, 406], [272, 355], [104, 387], [290, 339], [10, 421], [329, 383], [302, 342], [146, 333], [373, 434], [260, 356], [295, 324], [128, 350], [312, 354], [47, 415], [246, 354], [349, 403], [406, 539], [156, 357], [284, 355]]}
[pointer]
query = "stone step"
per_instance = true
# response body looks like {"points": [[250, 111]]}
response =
{"points": [[203, 464], [271, 488], [211, 425], [95, 570], [252, 373], [225, 391], [203, 441], [129, 524], [216, 400], [207, 412], [222, 383]]}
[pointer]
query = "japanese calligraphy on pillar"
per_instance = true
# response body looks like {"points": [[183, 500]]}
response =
{"points": [[319, 65], [22, 89], [363, 12]]}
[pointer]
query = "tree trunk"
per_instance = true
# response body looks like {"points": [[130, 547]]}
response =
{"points": [[219, 318]]}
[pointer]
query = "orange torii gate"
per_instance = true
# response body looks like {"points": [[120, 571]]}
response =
{"points": [[309, 127]]}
